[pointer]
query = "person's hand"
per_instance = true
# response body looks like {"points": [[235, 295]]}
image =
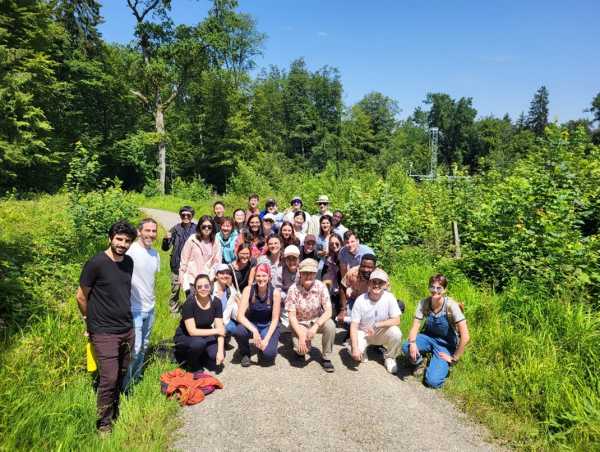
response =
{"points": [[340, 317], [369, 330], [446, 357], [220, 358], [312, 331], [302, 344], [256, 338], [220, 331], [356, 354], [413, 351]]}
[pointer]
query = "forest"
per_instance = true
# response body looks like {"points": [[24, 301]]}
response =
{"points": [[91, 130]]}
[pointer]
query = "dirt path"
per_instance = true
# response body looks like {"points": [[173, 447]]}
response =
{"points": [[289, 408]]}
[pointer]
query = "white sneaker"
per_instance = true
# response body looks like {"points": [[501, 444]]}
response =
{"points": [[391, 366]]}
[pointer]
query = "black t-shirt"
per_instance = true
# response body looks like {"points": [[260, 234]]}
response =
{"points": [[243, 274], [312, 255], [204, 317], [109, 304]]}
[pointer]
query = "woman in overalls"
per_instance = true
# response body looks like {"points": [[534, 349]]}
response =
{"points": [[258, 317], [444, 335]]}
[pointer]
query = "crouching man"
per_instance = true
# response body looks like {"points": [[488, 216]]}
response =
{"points": [[309, 311], [375, 320]]}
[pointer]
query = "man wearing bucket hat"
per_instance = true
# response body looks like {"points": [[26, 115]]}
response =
{"points": [[323, 205], [309, 311], [375, 320]]}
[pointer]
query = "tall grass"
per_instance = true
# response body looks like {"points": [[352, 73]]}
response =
{"points": [[47, 397]]}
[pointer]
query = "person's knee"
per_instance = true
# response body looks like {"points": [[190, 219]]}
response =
{"points": [[197, 346], [434, 379], [109, 379], [269, 354], [395, 335]]}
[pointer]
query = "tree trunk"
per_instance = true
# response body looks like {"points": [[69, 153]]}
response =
{"points": [[162, 147]]}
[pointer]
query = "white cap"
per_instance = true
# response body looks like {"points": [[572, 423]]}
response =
{"points": [[291, 250]]}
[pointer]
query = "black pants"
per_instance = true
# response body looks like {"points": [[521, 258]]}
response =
{"points": [[113, 353], [195, 352]]}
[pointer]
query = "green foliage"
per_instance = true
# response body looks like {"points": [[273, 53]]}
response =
{"points": [[197, 190], [537, 119], [93, 213], [84, 170]]}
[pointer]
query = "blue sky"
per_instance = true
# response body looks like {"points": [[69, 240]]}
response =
{"points": [[497, 52]]}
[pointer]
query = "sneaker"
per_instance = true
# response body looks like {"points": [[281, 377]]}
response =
{"points": [[245, 361], [391, 365], [327, 365], [419, 369], [104, 431]]}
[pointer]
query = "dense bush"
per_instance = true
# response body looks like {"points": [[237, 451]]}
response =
{"points": [[196, 189], [93, 213]]}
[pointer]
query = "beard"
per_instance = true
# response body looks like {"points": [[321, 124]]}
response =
{"points": [[118, 250]]}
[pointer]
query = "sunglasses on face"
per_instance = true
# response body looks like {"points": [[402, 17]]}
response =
{"points": [[207, 227], [186, 215], [377, 283], [323, 203], [436, 289], [203, 286]]}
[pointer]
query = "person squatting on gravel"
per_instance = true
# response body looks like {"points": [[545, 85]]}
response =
{"points": [[444, 336]]}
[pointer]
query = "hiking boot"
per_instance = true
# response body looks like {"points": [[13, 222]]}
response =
{"points": [[298, 360], [391, 365], [419, 369], [327, 365], [245, 361]]}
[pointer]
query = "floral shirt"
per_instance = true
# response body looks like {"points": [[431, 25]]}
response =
{"points": [[307, 304]]}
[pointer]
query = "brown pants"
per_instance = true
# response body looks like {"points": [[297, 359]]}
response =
{"points": [[113, 353]]}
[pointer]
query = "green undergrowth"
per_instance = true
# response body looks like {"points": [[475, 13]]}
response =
{"points": [[46, 395], [530, 371]]}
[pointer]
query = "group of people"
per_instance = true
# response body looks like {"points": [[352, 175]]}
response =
{"points": [[252, 277]]}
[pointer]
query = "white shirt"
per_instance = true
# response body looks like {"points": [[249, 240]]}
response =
{"points": [[146, 263], [367, 312]]}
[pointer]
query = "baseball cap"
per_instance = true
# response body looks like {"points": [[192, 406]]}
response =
{"points": [[291, 250], [269, 217], [379, 274]]}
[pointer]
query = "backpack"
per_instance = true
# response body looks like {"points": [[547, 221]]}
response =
{"points": [[447, 303]]}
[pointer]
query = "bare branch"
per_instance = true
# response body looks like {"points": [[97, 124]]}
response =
{"points": [[140, 96], [134, 10], [150, 7], [171, 98]]}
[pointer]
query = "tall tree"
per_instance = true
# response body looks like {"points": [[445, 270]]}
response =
{"points": [[382, 111], [167, 54], [537, 119]]}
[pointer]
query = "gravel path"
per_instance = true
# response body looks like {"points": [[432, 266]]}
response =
{"points": [[288, 408]]}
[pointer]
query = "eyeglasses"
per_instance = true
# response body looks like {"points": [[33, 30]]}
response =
{"points": [[207, 227], [203, 286], [186, 215], [438, 289]]}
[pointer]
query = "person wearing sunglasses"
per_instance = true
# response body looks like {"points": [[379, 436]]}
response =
{"points": [[200, 336], [331, 273], [258, 318], [176, 238], [444, 337], [375, 320], [200, 253], [315, 219], [296, 205]]}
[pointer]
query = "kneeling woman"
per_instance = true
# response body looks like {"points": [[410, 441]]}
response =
{"points": [[199, 339], [258, 317], [445, 334]]}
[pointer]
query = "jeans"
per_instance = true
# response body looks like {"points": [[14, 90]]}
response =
{"points": [[243, 335], [142, 325], [230, 328], [113, 353], [196, 352], [438, 369]]}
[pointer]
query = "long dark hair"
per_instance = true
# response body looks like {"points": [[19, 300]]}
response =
{"points": [[260, 236], [293, 240], [213, 231], [330, 219]]}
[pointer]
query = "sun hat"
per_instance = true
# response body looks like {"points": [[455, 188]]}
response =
{"points": [[323, 198], [308, 266], [291, 250], [379, 274]]}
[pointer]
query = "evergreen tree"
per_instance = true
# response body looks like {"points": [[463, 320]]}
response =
{"points": [[537, 119]]}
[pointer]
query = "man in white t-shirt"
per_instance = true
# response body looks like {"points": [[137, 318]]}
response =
{"points": [[146, 263], [375, 320]]}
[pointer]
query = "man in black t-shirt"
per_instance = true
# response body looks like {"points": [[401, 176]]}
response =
{"points": [[104, 301]]}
